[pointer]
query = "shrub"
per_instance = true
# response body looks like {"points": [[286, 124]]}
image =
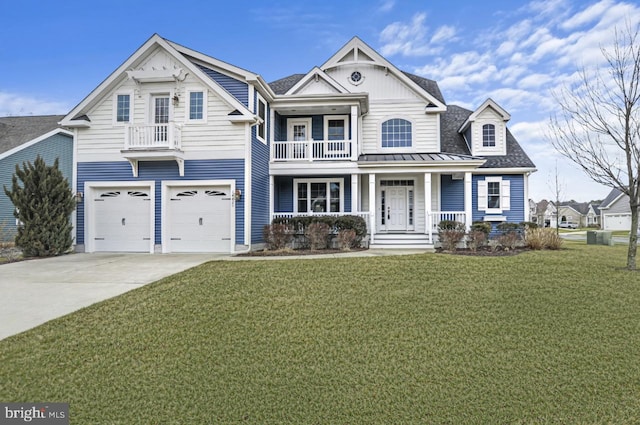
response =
{"points": [[507, 227], [476, 239], [355, 223], [44, 203], [509, 240], [318, 235], [277, 236], [450, 233], [347, 239], [481, 226], [528, 225], [543, 238]]}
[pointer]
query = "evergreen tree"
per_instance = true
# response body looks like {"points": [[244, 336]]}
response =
{"points": [[44, 202]]}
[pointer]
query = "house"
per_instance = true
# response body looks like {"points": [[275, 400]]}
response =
{"points": [[615, 211], [22, 139], [546, 214], [178, 151]]}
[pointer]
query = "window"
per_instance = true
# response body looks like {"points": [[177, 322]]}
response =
{"points": [[262, 114], [196, 105], [494, 195], [488, 135], [123, 108], [319, 196], [396, 133], [336, 133]]}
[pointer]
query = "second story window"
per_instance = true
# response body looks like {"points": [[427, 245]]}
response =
{"points": [[262, 114], [123, 108], [396, 133], [488, 135], [196, 105]]}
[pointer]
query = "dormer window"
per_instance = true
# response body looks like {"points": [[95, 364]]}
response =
{"points": [[488, 135], [396, 133]]}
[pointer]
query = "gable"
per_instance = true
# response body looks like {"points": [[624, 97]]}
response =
{"points": [[155, 61], [359, 68]]}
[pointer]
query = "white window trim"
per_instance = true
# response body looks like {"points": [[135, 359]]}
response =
{"points": [[316, 180], [344, 118], [187, 106], [115, 108], [293, 121], [483, 195], [266, 118], [151, 105], [398, 149]]}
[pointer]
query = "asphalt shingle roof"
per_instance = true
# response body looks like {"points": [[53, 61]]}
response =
{"points": [[453, 142], [15, 131], [283, 85]]}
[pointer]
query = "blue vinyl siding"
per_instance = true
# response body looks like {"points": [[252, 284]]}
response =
{"points": [[231, 169], [283, 188], [57, 146], [516, 212], [451, 194], [238, 89], [259, 179]]}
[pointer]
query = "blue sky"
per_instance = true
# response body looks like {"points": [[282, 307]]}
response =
{"points": [[52, 54]]}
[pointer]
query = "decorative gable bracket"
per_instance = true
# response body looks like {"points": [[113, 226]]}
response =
{"points": [[157, 75]]}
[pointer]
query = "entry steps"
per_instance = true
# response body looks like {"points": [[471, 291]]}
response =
{"points": [[401, 241]]}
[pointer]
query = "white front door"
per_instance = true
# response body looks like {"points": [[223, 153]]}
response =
{"points": [[396, 208]]}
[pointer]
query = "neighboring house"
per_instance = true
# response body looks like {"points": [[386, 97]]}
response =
{"points": [[574, 212], [615, 212], [22, 139], [592, 217], [533, 211], [546, 213], [178, 151]]}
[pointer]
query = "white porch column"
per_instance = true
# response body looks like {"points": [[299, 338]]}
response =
{"points": [[354, 133], [527, 209], [428, 228], [355, 194], [373, 206], [468, 205], [271, 198]]}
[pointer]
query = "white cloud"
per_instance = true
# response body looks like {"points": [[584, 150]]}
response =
{"points": [[19, 104], [444, 33], [590, 14], [386, 6], [406, 39], [534, 81]]}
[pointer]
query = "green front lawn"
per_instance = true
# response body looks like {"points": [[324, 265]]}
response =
{"points": [[541, 337]]}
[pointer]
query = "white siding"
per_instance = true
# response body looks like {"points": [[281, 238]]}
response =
{"points": [[489, 116], [425, 126], [317, 87], [376, 81], [216, 138]]}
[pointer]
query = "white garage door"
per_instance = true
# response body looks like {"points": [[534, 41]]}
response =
{"points": [[199, 219], [617, 222], [122, 219]]}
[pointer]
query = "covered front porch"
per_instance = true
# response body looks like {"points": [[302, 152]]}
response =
{"points": [[401, 209]]}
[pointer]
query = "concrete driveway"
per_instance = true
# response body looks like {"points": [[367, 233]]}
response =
{"points": [[35, 291]]}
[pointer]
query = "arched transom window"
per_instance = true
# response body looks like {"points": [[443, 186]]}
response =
{"points": [[396, 133]]}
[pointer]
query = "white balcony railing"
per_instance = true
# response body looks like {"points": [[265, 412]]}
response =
{"points": [[153, 136], [312, 150], [438, 216]]}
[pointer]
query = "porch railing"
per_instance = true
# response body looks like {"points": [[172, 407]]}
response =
{"points": [[438, 216], [311, 150], [153, 136]]}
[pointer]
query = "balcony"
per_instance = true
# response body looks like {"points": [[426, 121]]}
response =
{"points": [[313, 150], [153, 137], [153, 142]]}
